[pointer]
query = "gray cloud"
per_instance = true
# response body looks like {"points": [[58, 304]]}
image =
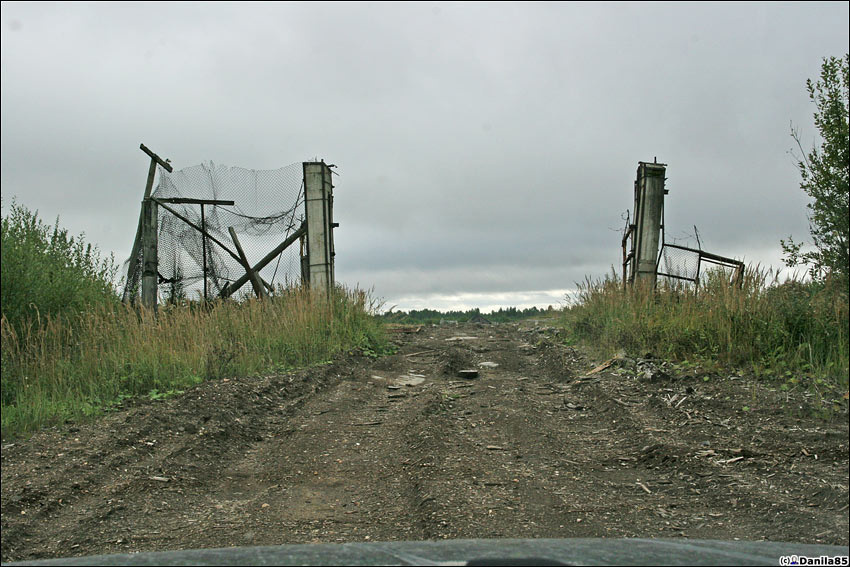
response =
{"points": [[481, 147]]}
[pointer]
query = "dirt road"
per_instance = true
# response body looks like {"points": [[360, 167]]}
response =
{"points": [[404, 448]]}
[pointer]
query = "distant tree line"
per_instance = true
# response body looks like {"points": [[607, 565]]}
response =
{"points": [[432, 316]]}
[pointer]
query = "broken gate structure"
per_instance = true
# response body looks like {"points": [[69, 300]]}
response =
{"points": [[644, 234], [208, 230]]}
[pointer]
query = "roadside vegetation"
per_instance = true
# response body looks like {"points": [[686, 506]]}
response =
{"points": [[71, 349], [795, 332]]}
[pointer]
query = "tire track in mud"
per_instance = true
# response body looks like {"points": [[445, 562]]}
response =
{"points": [[402, 448], [489, 452], [707, 470], [100, 486]]}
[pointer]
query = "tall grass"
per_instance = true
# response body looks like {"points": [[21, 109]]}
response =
{"points": [[794, 330], [60, 367], [69, 348]]}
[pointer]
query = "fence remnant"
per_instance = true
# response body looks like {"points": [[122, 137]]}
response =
{"points": [[318, 190], [683, 263], [648, 222], [251, 272], [234, 287], [149, 253], [205, 235], [133, 275], [174, 246], [642, 259]]}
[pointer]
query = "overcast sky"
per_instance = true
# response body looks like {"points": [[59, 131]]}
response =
{"points": [[486, 152]]}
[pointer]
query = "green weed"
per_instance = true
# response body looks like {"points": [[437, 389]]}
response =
{"points": [[795, 332]]}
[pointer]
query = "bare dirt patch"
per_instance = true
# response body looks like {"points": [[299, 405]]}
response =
{"points": [[404, 448]]}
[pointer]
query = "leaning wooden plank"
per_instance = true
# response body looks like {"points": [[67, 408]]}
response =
{"points": [[255, 280], [234, 287], [210, 236], [601, 367]]}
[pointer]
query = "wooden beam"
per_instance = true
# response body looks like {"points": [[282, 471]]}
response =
{"points": [[149, 251], [137, 241], [188, 201], [155, 158], [233, 255], [255, 280], [199, 229], [234, 287]]}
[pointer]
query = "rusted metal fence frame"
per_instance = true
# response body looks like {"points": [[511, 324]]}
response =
{"points": [[702, 255], [629, 256]]}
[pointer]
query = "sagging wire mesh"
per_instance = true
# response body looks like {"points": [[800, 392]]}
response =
{"points": [[268, 207]]}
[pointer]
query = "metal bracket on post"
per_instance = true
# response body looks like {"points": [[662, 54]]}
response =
{"points": [[305, 261]]}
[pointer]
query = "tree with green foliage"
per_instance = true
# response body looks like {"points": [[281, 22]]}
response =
{"points": [[825, 172], [44, 271]]}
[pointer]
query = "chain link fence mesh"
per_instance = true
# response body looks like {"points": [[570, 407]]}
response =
{"points": [[268, 207], [679, 263], [683, 265]]}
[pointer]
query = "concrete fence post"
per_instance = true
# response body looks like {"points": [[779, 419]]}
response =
{"points": [[649, 208], [318, 193]]}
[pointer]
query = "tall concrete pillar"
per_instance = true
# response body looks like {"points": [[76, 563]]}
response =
{"points": [[318, 191], [649, 206]]}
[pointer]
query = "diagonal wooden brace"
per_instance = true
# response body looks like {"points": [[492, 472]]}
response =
{"points": [[162, 203], [234, 287], [255, 278]]}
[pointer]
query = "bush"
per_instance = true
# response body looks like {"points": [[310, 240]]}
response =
{"points": [[45, 271]]}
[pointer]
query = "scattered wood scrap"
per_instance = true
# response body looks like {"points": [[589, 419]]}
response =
{"points": [[430, 350], [601, 367], [406, 329]]}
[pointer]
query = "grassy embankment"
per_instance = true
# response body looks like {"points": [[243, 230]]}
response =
{"points": [[794, 333], [60, 368], [70, 349]]}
